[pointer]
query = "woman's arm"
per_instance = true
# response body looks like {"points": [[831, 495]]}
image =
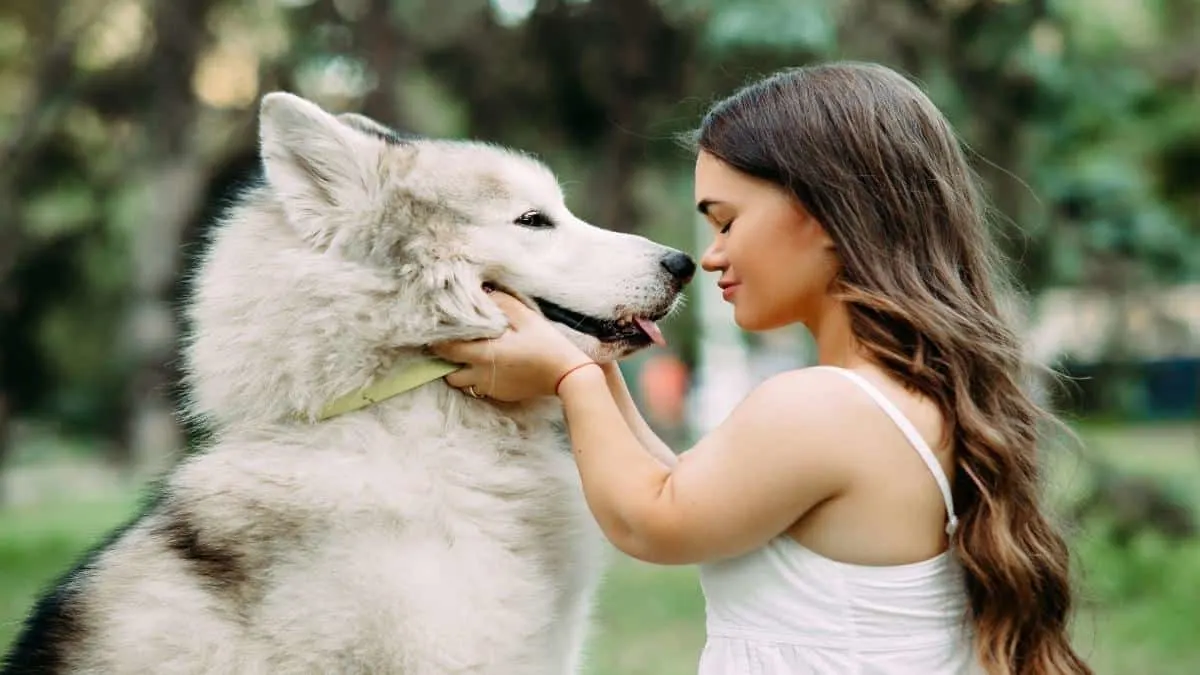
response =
{"points": [[774, 458], [623, 480], [778, 454], [633, 417]]}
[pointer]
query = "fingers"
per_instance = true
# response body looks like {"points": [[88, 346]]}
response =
{"points": [[476, 375], [461, 378], [461, 351], [468, 380]]}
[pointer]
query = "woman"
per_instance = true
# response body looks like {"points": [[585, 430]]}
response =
{"points": [[877, 513]]}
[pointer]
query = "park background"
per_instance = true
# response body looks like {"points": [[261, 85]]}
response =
{"points": [[126, 125]]}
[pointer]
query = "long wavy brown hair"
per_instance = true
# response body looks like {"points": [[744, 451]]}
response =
{"points": [[867, 153]]}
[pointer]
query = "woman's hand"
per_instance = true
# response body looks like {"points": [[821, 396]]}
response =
{"points": [[525, 362]]}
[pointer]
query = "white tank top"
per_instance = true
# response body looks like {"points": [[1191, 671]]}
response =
{"points": [[785, 609]]}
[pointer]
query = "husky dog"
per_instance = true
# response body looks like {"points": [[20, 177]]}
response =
{"points": [[427, 533]]}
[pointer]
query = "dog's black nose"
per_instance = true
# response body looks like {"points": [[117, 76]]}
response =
{"points": [[680, 265]]}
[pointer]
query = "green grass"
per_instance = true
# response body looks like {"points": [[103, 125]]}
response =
{"points": [[649, 621], [1140, 608]]}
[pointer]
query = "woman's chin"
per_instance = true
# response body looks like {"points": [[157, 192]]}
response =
{"points": [[745, 319], [756, 322]]}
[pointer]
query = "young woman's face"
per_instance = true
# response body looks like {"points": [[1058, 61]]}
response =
{"points": [[776, 262]]}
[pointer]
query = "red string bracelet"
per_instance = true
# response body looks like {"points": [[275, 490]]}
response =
{"points": [[569, 371]]}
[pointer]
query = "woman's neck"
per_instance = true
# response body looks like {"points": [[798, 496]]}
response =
{"points": [[836, 344]]}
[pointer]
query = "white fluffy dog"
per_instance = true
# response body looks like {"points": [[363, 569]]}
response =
{"points": [[421, 533]]}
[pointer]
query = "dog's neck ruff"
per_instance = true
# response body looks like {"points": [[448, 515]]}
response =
{"points": [[400, 379]]}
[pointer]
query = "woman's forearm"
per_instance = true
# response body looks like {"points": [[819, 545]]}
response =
{"points": [[612, 461], [633, 417]]}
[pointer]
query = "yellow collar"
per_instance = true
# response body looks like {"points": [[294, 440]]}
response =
{"points": [[400, 379]]}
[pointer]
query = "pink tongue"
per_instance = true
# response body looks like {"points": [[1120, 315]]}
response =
{"points": [[651, 329]]}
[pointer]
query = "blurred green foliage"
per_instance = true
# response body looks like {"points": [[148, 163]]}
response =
{"points": [[127, 124]]}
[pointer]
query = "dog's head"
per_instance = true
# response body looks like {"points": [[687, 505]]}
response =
{"points": [[361, 248], [454, 216]]}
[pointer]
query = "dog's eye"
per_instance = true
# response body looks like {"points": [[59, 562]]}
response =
{"points": [[534, 219]]}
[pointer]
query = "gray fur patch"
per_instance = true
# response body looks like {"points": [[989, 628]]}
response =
{"points": [[219, 565]]}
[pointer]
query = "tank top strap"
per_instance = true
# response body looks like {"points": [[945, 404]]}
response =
{"points": [[914, 438]]}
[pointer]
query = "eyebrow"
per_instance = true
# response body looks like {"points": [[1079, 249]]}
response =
{"points": [[704, 204]]}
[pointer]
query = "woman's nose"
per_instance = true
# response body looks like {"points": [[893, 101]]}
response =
{"points": [[713, 258]]}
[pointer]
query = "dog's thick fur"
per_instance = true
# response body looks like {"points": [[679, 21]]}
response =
{"points": [[430, 533]]}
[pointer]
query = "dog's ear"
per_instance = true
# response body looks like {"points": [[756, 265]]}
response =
{"points": [[383, 132], [317, 165]]}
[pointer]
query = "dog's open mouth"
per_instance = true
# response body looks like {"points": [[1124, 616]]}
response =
{"points": [[635, 330]]}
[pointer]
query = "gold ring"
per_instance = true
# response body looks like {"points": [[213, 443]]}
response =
{"points": [[474, 394]]}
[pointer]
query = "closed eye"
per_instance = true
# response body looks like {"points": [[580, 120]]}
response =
{"points": [[534, 219]]}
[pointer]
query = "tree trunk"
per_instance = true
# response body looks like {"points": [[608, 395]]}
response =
{"points": [[173, 183], [388, 54], [617, 208]]}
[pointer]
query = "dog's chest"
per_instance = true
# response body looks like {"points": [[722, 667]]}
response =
{"points": [[516, 487], [526, 491]]}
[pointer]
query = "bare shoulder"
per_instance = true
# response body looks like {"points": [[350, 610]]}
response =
{"points": [[818, 399], [776, 456], [800, 417], [822, 413]]}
